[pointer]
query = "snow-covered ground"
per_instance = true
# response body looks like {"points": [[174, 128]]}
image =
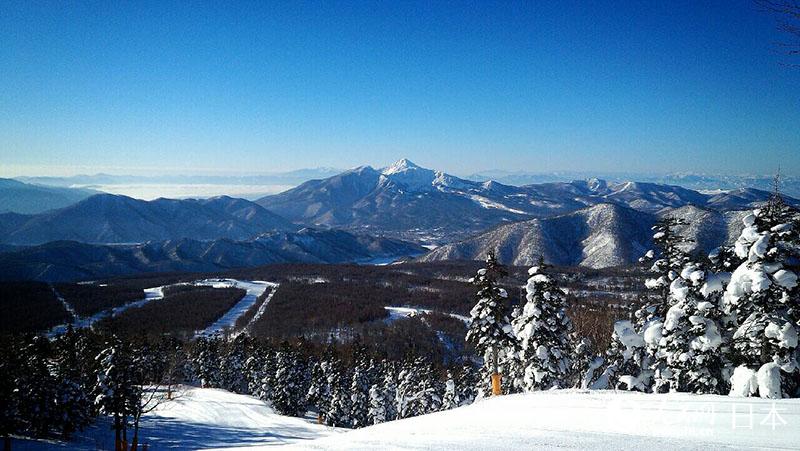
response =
{"points": [[576, 419], [254, 289], [201, 419]]}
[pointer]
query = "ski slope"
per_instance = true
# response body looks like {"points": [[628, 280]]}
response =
{"points": [[200, 419], [253, 288], [600, 420]]}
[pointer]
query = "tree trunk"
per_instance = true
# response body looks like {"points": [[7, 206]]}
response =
{"points": [[117, 434], [135, 441], [7, 443]]}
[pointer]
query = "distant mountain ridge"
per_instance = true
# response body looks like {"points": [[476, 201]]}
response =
{"points": [[26, 198], [599, 236], [412, 202], [71, 261], [108, 218]]}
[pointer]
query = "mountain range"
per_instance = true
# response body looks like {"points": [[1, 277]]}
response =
{"points": [[108, 218], [71, 260], [26, 198], [599, 236], [416, 203]]}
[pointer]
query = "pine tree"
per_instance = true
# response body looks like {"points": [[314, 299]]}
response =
{"points": [[206, 362], [39, 387], [288, 395], [114, 390], [377, 405], [74, 408], [761, 297], [490, 329], [232, 374], [359, 389], [543, 331], [688, 358], [339, 410], [466, 384], [451, 398], [407, 388], [10, 396], [390, 389]]}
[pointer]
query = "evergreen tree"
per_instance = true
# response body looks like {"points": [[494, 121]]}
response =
{"points": [[390, 390], [466, 384], [114, 390], [762, 295], [232, 374], [543, 331], [688, 356], [38, 385], [450, 399], [359, 389], [74, 408], [288, 396], [206, 362], [490, 329], [339, 410], [10, 396], [407, 388], [377, 405]]}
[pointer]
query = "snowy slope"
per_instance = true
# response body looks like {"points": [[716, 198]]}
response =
{"points": [[575, 419], [253, 288], [200, 419]]}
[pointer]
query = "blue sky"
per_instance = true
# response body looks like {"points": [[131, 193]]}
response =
{"points": [[238, 87]]}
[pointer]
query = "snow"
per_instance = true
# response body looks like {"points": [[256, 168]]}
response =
{"points": [[769, 381], [579, 419], [201, 419], [487, 203], [253, 288], [786, 336], [396, 313], [743, 382], [627, 335], [786, 279]]}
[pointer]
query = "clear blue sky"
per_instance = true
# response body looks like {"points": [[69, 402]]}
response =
{"points": [[206, 87]]}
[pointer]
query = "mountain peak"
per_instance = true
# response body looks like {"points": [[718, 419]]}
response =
{"points": [[402, 165]]}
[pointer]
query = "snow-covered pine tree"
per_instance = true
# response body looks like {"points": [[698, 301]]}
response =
{"points": [[74, 408], [585, 363], [466, 384], [627, 361], [490, 329], [688, 357], [431, 389], [762, 297], [339, 408], [289, 392], [543, 330], [38, 385], [407, 388], [206, 361], [359, 389], [390, 389], [232, 377], [634, 344], [377, 405], [114, 390], [450, 399]]}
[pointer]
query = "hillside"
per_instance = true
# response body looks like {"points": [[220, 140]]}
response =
{"points": [[108, 218], [72, 260], [27, 198], [601, 236]]}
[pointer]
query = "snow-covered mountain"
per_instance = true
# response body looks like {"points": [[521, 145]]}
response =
{"points": [[414, 202], [600, 236], [108, 218], [71, 260]]}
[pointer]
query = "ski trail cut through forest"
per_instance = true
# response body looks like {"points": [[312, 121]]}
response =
{"points": [[254, 289]]}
